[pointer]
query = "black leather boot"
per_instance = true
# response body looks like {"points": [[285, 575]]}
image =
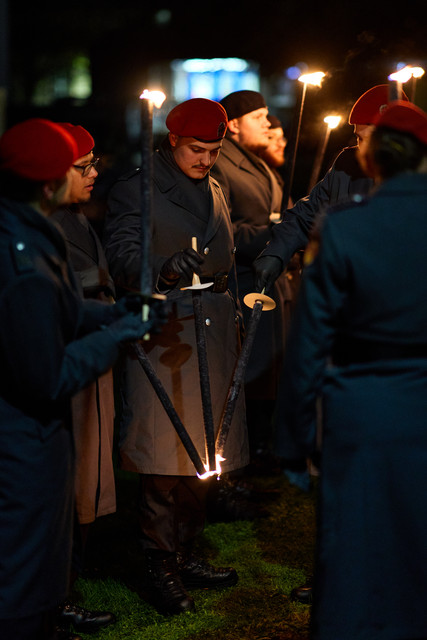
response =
{"points": [[197, 574], [82, 620], [304, 593], [167, 590]]}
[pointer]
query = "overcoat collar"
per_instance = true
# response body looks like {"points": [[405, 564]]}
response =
{"points": [[179, 192]]}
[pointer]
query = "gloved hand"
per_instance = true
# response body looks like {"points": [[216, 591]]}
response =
{"points": [[267, 270], [128, 328], [132, 302], [182, 264], [131, 327]]}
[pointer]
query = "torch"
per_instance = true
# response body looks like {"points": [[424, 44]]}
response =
{"points": [[332, 123], [148, 100], [403, 75], [397, 79], [259, 302], [196, 288], [417, 72], [314, 79]]}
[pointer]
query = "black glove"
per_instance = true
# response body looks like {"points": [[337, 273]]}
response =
{"points": [[129, 328], [181, 264], [267, 270], [130, 303]]}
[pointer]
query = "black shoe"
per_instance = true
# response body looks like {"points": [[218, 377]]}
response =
{"points": [[303, 594], [82, 619], [167, 591], [64, 634], [198, 574]]}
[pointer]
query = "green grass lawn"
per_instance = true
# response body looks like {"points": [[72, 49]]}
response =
{"points": [[272, 555]]}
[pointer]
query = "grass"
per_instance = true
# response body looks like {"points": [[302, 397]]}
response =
{"points": [[272, 555]]}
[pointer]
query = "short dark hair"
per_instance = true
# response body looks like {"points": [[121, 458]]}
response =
{"points": [[395, 151]]}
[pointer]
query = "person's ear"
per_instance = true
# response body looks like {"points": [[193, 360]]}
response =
{"points": [[233, 126], [173, 139]]}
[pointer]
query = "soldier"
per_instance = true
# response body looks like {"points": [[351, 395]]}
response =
{"points": [[52, 345], [359, 345], [254, 197], [93, 406], [187, 203]]}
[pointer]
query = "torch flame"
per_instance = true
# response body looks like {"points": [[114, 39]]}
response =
{"points": [[314, 79], [417, 72], [216, 471], [332, 121], [156, 97], [405, 74]]}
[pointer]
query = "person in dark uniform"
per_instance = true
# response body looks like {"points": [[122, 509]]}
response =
{"points": [[344, 182], [187, 203], [359, 345], [93, 407], [52, 345], [254, 196]]}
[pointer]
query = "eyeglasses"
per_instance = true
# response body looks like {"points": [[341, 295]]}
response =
{"points": [[86, 168]]}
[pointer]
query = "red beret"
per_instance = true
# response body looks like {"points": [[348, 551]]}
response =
{"points": [[85, 142], [406, 117], [370, 104], [200, 118], [38, 150]]}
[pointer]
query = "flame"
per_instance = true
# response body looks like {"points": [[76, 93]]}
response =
{"points": [[216, 471], [417, 72], [332, 121], [156, 97], [314, 79], [405, 74]]}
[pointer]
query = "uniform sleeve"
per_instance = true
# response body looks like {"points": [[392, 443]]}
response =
{"points": [[322, 295], [38, 357], [292, 233]]}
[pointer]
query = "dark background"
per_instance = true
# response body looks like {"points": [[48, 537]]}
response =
{"points": [[357, 45]]}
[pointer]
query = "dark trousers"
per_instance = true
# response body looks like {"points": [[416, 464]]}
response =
{"points": [[172, 511]]}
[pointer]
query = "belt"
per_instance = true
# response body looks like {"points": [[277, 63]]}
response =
{"points": [[220, 282], [353, 351]]}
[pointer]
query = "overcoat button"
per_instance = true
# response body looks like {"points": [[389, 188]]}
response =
{"points": [[206, 251], [208, 322]]}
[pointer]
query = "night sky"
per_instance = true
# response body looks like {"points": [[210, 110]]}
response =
{"points": [[356, 44]]}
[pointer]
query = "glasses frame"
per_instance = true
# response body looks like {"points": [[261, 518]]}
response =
{"points": [[86, 168]]}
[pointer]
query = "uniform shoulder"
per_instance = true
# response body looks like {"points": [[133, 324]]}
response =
{"points": [[357, 201]]}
